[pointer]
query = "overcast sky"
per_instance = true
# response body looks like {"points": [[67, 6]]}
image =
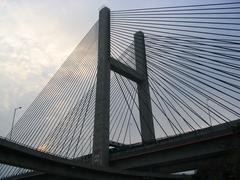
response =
{"points": [[36, 36]]}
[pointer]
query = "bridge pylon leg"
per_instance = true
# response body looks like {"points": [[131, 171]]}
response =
{"points": [[101, 121], [145, 108]]}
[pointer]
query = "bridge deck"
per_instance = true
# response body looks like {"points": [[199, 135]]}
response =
{"points": [[21, 156], [179, 150], [177, 153]]}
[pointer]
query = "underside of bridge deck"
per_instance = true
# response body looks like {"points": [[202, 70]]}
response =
{"points": [[170, 155]]}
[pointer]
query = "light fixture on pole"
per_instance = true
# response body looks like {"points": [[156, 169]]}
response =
{"points": [[14, 114]]}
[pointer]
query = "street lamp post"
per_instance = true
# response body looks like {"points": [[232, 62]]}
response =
{"points": [[14, 114]]}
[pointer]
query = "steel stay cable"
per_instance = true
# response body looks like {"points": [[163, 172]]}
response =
{"points": [[39, 129], [114, 14], [172, 125], [172, 21], [193, 68], [203, 44], [58, 129], [69, 119], [131, 30], [87, 133], [86, 81], [91, 89], [182, 6], [88, 128], [83, 121], [154, 103], [193, 48], [64, 64], [188, 85], [148, 109], [129, 37], [206, 51], [59, 141], [176, 99], [132, 104], [58, 148], [181, 70], [154, 25], [43, 89], [190, 70], [127, 128], [175, 7], [128, 107], [202, 83], [209, 54], [114, 52], [91, 92], [119, 122], [215, 73], [60, 69], [177, 17], [177, 102], [179, 63], [134, 92], [117, 111], [168, 100], [165, 114], [228, 73], [86, 142], [151, 29], [158, 122], [187, 95], [183, 92], [72, 98], [77, 91]]}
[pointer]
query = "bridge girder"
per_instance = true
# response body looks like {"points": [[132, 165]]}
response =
{"points": [[20, 156]]}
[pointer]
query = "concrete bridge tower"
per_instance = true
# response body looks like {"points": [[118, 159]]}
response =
{"points": [[102, 108]]}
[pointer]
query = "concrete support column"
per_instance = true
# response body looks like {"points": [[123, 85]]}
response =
{"points": [[145, 108], [101, 121]]}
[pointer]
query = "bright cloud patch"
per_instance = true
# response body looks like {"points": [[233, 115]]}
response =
{"points": [[32, 46]]}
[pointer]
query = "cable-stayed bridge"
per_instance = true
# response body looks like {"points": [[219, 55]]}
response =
{"points": [[152, 90]]}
